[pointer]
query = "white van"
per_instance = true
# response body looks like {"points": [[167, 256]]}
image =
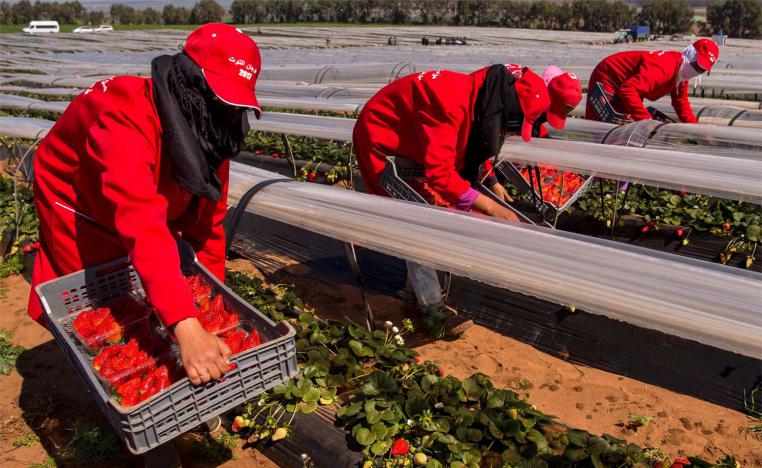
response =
{"points": [[37, 27]]}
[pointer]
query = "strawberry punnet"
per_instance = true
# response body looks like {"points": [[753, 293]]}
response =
{"points": [[251, 341]]}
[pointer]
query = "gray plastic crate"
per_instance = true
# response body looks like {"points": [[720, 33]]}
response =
{"points": [[182, 406]]}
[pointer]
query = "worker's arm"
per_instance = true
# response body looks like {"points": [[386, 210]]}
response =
{"points": [[208, 235], [140, 218], [631, 92], [681, 103]]}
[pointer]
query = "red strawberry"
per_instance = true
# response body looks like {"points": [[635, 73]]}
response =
{"points": [[230, 325], [129, 392], [235, 341], [418, 360], [104, 355], [251, 341], [217, 305], [238, 423], [312, 177], [679, 232], [400, 447]]}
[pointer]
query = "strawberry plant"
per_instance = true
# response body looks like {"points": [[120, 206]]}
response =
{"points": [[327, 157], [9, 352], [402, 411], [18, 223]]}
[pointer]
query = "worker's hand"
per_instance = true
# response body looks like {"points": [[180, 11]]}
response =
{"points": [[499, 190], [204, 356], [486, 205]]}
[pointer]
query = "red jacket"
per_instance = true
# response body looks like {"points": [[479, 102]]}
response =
{"points": [[103, 191], [423, 117], [637, 75]]}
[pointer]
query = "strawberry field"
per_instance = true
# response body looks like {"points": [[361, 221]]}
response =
{"points": [[619, 333]]}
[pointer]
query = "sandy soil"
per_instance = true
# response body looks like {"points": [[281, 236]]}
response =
{"points": [[44, 396]]}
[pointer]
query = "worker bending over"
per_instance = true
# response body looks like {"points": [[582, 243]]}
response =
{"points": [[630, 77], [450, 124]]}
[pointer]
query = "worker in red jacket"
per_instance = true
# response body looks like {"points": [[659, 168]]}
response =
{"points": [[633, 76], [450, 124], [134, 163]]}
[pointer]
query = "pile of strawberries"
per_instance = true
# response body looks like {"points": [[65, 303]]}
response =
{"points": [[104, 326], [557, 186], [132, 369], [144, 386], [216, 319]]}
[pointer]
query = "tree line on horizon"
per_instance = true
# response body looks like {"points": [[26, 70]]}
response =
{"points": [[738, 18]]}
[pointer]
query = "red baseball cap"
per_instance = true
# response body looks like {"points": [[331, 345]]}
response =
{"points": [[707, 53], [565, 93], [533, 99], [230, 62]]}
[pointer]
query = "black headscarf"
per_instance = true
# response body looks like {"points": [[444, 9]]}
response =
{"points": [[199, 130], [497, 111]]}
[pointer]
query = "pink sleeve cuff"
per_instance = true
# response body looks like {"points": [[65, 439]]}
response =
{"points": [[466, 200]]}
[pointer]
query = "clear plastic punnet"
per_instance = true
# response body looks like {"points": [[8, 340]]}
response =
{"points": [[714, 304], [111, 324]]}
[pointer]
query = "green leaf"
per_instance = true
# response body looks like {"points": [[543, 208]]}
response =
{"points": [[428, 382], [596, 461], [575, 454], [379, 430], [351, 410], [442, 425], [415, 405], [535, 436], [533, 463], [305, 317], [470, 388], [675, 199], [308, 408], [364, 437], [311, 395], [597, 445], [446, 439], [494, 431], [431, 463], [577, 437], [380, 447], [475, 435], [738, 216], [495, 401], [318, 338], [752, 232]]}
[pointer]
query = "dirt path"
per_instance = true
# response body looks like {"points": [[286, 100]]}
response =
{"points": [[44, 404], [44, 398]]}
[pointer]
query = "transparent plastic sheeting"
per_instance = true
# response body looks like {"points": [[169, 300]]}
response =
{"points": [[330, 128], [24, 127], [738, 142], [9, 101], [720, 176], [723, 176], [712, 304]]}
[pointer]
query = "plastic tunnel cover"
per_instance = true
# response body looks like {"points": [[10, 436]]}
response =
{"points": [[714, 304]]}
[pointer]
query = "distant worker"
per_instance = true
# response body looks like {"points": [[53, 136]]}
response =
{"points": [[425, 41], [630, 77], [450, 124], [134, 163]]}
